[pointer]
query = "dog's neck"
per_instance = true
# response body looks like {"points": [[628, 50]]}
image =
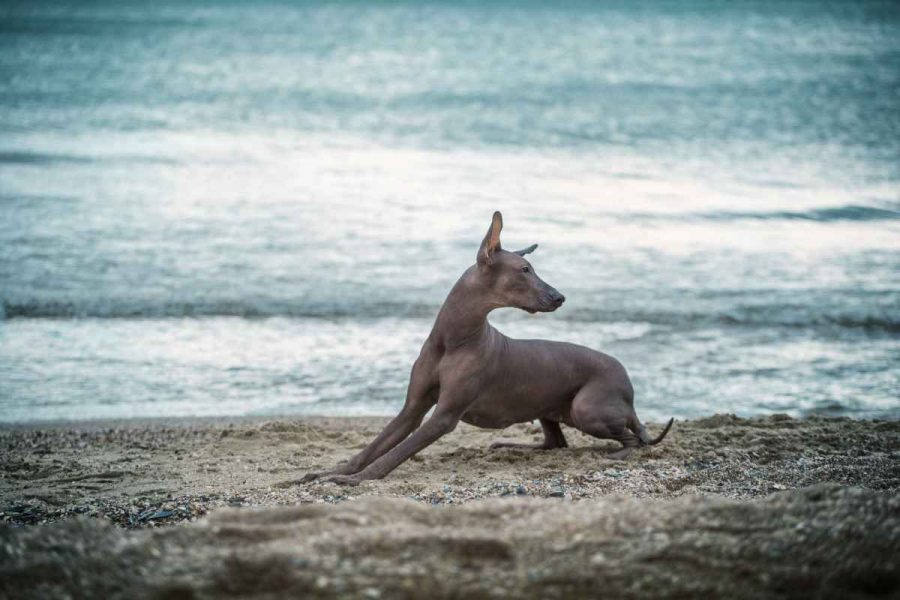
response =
{"points": [[463, 316]]}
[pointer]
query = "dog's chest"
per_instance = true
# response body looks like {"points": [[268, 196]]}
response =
{"points": [[483, 416], [495, 410]]}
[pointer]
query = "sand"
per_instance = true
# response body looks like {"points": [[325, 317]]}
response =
{"points": [[724, 506]]}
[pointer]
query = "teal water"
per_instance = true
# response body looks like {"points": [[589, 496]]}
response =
{"points": [[255, 208]]}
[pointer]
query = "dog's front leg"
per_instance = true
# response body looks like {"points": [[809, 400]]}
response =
{"points": [[440, 423], [421, 395], [393, 433]]}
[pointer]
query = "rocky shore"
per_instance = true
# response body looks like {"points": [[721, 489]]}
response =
{"points": [[724, 506]]}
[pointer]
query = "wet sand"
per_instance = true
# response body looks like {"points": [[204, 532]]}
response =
{"points": [[723, 506]]}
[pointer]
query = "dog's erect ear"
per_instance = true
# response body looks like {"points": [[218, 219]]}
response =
{"points": [[491, 242], [525, 251]]}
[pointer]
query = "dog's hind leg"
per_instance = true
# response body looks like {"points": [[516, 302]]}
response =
{"points": [[629, 443], [553, 438], [600, 414]]}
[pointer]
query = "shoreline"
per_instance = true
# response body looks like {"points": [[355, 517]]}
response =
{"points": [[191, 421], [152, 472], [341, 420]]}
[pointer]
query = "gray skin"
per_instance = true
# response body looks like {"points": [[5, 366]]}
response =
{"points": [[468, 371]]}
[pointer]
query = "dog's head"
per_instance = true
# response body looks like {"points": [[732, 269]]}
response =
{"points": [[509, 279]]}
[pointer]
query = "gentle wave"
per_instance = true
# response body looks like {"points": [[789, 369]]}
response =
{"points": [[774, 315], [831, 214], [838, 213], [222, 308], [18, 157], [24, 157], [761, 316]]}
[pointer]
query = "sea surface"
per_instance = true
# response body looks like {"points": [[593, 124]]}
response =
{"points": [[257, 208]]}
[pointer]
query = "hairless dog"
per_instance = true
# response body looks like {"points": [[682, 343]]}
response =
{"points": [[468, 371]]}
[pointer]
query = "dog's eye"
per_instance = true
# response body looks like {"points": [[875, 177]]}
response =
{"points": [[526, 269]]}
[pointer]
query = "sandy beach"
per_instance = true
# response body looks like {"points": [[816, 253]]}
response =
{"points": [[724, 505]]}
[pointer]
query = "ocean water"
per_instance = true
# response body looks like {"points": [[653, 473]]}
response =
{"points": [[252, 208]]}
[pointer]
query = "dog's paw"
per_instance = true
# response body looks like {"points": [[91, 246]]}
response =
{"points": [[352, 480], [513, 445], [312, 476]]}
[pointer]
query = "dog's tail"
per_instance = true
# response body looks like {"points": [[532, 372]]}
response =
{"points": [[647, 440]]}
